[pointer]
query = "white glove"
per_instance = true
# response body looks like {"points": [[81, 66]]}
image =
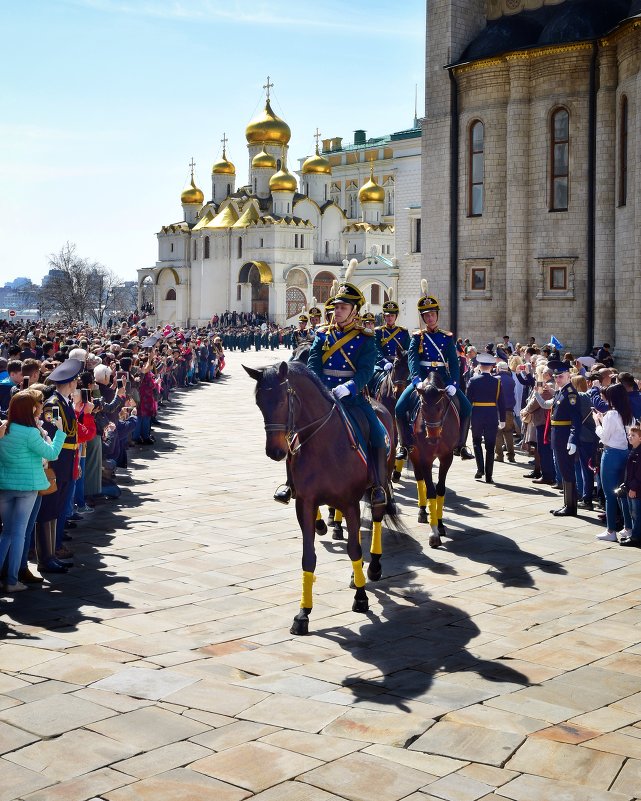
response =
{"points": [[571, 449], [387, 366], [421, 385], [450, 389], [341, 391], [501, 426]]}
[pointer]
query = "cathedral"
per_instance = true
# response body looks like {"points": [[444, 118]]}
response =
{"points": [[532, 209], [274, 244]]}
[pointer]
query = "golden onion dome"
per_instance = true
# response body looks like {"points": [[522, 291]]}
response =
{"points": [[192, 194], [223, 167], [268, 127], [317, 165], [282, 181], [264, 159], [371, 192]]}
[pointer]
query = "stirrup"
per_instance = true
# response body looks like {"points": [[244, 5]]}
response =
{"points": [[378, 496], [401, 452], [283, 494]]}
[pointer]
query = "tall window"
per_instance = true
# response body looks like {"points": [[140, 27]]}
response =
{"points": [[322, 286], [206, 253], [623, 152], [240, 248], [476, 169], [560, 159], [376, 295], [416, 236], [195, 250]]}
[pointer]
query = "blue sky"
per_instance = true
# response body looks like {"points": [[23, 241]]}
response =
{"points": [[108, 100]]}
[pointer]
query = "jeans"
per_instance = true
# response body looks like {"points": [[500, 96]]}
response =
{"points": [[29, 542], [635, 509], [15, 508], [613, 464], [79, 495], [145, 427]]}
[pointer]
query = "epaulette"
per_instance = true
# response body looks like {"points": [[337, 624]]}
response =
{"points": [[447, 333], [379, 328], [322, 329], [367, 332], [417, 333]]}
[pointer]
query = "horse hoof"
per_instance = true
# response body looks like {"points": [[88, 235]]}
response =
{"points": [[300, 624], [434, 541], [422, 516], [441, 529], [338, 533], [396, 476], [360, 605], [321, 527], [374, 575]]}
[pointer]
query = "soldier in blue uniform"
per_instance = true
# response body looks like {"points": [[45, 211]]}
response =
{"points": [[565, 420], [369, 321], [488, 414], [390, 337], [301, 334], [315, 317], [432, 350]]}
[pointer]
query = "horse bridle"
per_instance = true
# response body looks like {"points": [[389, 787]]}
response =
{"points": [[291, 432], [439, 423]]}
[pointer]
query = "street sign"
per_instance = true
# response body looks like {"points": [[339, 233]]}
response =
{"points": [[12, 313]]}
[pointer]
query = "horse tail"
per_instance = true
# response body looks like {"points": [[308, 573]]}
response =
{"points": [[395, 523]]}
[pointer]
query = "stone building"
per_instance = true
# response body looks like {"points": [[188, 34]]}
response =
{"points": [[532, 214], [273, 244]]}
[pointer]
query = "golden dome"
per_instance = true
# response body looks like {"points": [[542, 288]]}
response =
{"points": [[223, 167], [264, 159], [267, 127], [192, 194], [282, 181], [317, 165], [371, 192]]}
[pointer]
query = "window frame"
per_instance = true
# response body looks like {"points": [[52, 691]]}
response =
{"points": [[471, 182], [624, 120], [557, 174]]}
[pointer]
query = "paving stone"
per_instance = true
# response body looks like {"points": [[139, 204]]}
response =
{"points": [[495, 777], [17, 781], [236, 733], [371, 726], [12, 738], [574, 764], [295, 791], [289, 683], [629, 780], [177, 785], [212, 696], [469, 743], [608, 718], [294, 713], [537, 788], [457, 787], [490, 718], [617, 743], [255, 766], [320, 746], [160, 760], [148, 728], [351, 777], [96, 783], [567, 733], [55, 715], [140, 683]]}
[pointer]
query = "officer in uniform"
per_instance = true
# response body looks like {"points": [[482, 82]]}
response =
{"points": [[431, 350], [315, 317], [565, 420], [301, 335], [484, 393], [369, 321], [390, 337], [53, 511]]}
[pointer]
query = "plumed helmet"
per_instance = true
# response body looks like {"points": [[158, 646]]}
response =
{"points": [[314, 310], [427, 302], [390, 306], [348, 292], [302, 317]]}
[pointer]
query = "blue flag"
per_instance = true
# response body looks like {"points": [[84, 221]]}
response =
{"points": [[554, 341]]}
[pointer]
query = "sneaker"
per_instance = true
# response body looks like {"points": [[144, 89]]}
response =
{"points": [[76, 517], [85, 510], [606, 536], [624, 534], [17, 587]]}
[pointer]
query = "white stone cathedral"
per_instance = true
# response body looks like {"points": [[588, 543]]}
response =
{"points": [[271, 248]]}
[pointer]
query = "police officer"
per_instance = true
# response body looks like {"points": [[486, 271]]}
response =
{"points": [[431, 350], [484, 393], [565, 420]]}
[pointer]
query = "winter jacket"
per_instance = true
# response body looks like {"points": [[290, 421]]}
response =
{"points": [[633, 470], [22, 450]]}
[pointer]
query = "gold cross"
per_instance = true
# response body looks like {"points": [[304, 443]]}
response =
{"points": [[224, 140], [192, 164], [317, 136], [268, 86]]}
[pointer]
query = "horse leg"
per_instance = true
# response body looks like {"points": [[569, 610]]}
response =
{"points": [[444, 465], [306, 513], [375, 570], [434, 539], [338, 527], [422, 499], [320, 526], [330, 516], [355, 553]]}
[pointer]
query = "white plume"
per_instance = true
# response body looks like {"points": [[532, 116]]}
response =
{"points": [[351, 269], [424, 286], [390, 293], [334, 288], [364, 308], [314, 301]]}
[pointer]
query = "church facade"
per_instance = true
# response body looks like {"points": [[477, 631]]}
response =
{"points": [[532, 216], [274, 244]]}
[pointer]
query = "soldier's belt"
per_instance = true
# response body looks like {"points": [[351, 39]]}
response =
{"points": [[339, 373], [484, 404], [432, 364], [70, 447], [561, 422]]}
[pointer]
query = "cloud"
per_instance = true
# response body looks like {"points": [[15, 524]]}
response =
{"points": [[336, 16]]}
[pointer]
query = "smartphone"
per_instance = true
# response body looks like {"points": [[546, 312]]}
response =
{"points": [[85, 395], [55, 413], [120, 383], [25, 383]]}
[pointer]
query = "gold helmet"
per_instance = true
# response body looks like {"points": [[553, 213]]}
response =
{"points": [[329, 303], [314, 310], [348, 292], [391, 306], [427, 302], [367, 316], [302, 317]]}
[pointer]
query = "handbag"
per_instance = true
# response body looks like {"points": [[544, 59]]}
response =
{"points": [[50, 473]]}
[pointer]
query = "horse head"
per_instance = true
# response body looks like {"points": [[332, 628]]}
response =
{"points": [[272, 398], [433, 408], [400, 373]]}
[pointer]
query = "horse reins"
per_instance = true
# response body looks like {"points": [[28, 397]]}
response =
{"points": [[291, 432]]}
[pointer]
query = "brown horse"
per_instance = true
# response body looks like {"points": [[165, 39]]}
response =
{"points": [[389, 390], [436, 433], [303, 423]]}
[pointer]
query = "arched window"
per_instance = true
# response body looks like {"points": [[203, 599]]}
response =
{"points": [[206, 253], [171, 294], [476, 169], [376, 295], [623, 152], [560, 160], [322, 285], [295, 301]]}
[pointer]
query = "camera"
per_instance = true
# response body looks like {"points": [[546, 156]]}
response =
{"points": [[84, 394], [621, 491], [55, 413]]}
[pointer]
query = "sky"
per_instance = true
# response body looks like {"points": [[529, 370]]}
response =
{"points": [[104, 103]]}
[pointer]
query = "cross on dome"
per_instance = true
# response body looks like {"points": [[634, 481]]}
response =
{"points": [[317, 136], [268, 86], [192, 164], [224, 141]]}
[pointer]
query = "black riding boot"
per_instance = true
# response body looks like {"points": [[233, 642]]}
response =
{"points": [[461, 449], [489, 465], [569, 508], [379, 465], [480, 462], [405, 437]]}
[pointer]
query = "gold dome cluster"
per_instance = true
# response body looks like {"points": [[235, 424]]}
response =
{"points": [[371, 192], [264, 159], [268, 128], [317, 165], [223, 167], [192, 194]]}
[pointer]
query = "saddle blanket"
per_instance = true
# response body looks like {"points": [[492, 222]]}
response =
{"points": [[357, 437]]}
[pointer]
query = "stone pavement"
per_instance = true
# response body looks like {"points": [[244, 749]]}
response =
{"points": [[506, 665]]}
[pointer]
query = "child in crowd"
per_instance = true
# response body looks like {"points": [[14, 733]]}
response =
{"points": [[633, 486]]}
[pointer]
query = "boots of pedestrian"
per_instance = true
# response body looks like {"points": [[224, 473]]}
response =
{"points": [[569, 508], [489, 467], [480, 462], [45, 545]]}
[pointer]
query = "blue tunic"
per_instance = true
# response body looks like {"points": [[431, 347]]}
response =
{"points": [[388, 341]]}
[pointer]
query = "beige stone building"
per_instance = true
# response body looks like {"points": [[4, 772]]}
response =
{"points": [[532, 210]]}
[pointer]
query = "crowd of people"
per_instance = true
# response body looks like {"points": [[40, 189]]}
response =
{"points": [[73, 401]]}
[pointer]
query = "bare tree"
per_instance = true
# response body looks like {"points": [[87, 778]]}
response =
{"points": [[68, 287]]}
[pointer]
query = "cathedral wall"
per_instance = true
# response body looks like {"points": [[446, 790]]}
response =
{"points": [[407, 211]]}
